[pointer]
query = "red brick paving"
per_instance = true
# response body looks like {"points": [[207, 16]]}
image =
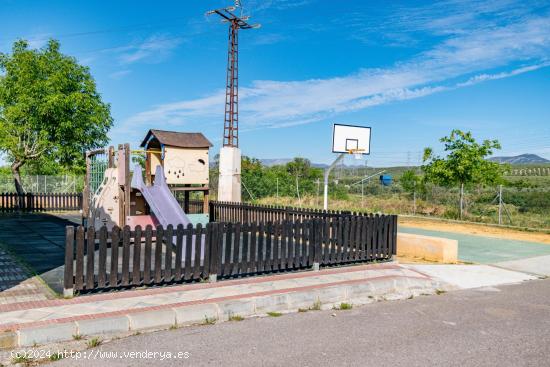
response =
{"points": [[183, 287]]}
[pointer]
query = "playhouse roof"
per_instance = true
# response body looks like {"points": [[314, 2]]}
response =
{"points": [[177, 139]]}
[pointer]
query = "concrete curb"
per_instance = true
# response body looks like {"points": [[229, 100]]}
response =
{"points": [[165, 316]]}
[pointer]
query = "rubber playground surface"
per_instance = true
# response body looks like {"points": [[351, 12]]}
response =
{"points": [[486, 250]]}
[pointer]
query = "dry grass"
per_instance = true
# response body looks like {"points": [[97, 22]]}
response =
{"points": [[400, 204], [373, 204]]}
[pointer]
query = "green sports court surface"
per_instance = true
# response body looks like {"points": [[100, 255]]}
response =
{"points": [[486, 250]]}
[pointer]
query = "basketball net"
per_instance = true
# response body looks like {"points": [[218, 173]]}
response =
{"points": [[357, 153]]}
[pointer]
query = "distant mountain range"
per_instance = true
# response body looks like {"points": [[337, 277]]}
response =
{"points": [[275, 162], [283, 161], [520, 159]]}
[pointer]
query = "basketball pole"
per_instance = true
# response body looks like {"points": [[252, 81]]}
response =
{"points": [[327, 173]]}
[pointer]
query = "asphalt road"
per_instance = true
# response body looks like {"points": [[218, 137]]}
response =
{"points": [[504, 326]]}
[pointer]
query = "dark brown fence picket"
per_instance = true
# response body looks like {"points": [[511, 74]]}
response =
{"points": [[90, 255], [168, 240], [79, 268], [227, 249], [136, 261], [115, 242], [147, 255], [125, 279], [102, 273], [199, 240], [158, 254], [179, 253]]}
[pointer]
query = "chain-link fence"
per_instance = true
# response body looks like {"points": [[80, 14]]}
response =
{"points": [[44, 184], [524, 207]]}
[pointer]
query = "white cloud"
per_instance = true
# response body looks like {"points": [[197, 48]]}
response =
{"points": [[39, 40], [259, 5], [117, 75], [155, 48], [485, 77], [447, 65], [268, 39]]}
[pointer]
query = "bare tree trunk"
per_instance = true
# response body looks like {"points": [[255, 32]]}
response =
{"points": [[17, 177], [18, 185]]}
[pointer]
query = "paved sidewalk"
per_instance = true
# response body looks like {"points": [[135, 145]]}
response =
{"points": [[39, 240], [539, 265], [472, 276], [47, 321], [17, 285]]}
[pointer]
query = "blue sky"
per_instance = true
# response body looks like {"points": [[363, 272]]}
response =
{"points": [[411, 70]]}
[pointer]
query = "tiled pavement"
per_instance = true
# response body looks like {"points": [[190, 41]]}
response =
{"points": [[37, 240], [17, 285]]}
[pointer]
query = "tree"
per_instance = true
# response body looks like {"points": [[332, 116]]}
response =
{"points": [[464, 164], [410, 181], [50, 110], [304, 175]]}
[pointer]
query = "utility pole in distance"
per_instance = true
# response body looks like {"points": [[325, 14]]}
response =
{"points": [[229, 185]]}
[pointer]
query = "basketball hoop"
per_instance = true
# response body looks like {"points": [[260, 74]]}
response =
{"points": [[357, 153], [346, 139]]}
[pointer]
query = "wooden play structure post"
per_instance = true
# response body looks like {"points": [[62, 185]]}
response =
{"points": [[124, 182]]}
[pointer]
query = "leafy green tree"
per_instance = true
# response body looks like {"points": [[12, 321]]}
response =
{"points": [[253, 177], [465, 162], [264, 181], [139, 159], [464, 165], [50, 110], [299, 167], [410, 181], [304, 175], [4, 170]]}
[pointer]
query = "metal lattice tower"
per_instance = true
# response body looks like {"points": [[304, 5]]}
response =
{"points": [[231, 119]]}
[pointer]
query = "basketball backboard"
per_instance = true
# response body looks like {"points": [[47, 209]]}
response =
{"points": [[351, 139]]}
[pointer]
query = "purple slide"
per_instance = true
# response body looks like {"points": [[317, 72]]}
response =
{"points": [[165, 207], [161, 201]]}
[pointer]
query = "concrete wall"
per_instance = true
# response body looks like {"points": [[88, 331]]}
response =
{"points": [[427, 247]]}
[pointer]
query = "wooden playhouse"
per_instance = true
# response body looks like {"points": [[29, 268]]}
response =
{"points": [[185, 160]]}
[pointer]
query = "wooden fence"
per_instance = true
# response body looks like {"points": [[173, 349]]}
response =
{"points": [[37, 202], [244, 212], [98, 259]]}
